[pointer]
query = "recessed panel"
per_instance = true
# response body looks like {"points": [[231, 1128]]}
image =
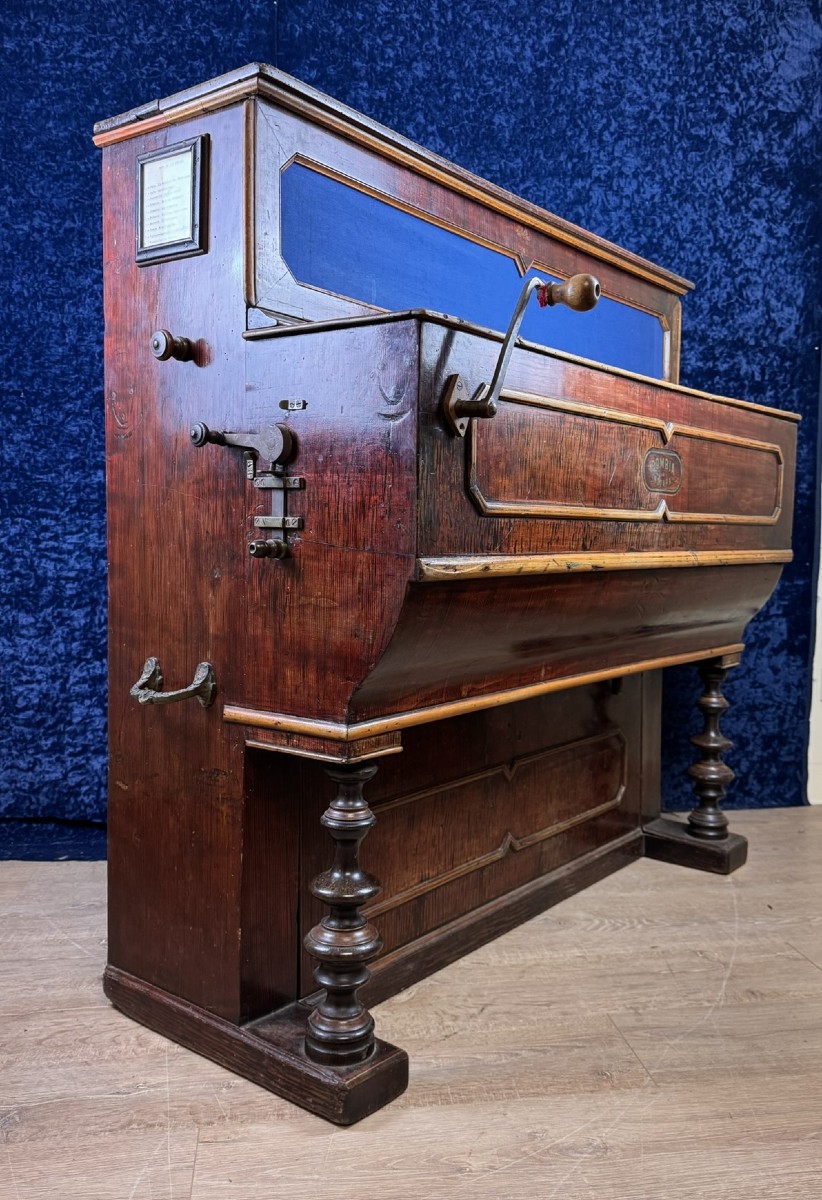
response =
{"points": [[340, 239]]}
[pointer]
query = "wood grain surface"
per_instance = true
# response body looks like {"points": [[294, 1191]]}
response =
{"points": [[655, 1037]]}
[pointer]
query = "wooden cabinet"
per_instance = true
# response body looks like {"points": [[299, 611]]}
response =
{"points": [[347, 569]]}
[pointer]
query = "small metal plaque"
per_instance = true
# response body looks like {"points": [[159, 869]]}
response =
{"points": [[171, 196], [278, 522], [662, 472]]}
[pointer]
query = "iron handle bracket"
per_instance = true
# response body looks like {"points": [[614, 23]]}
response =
{"points": [[148, 688]]}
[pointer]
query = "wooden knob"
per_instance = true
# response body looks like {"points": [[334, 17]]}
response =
{"points": [[580, 292], [164, 346]]}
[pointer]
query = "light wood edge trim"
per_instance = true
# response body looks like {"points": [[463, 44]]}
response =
{"points": [[449, 322], [338, 731], [255, 744], [650, 380], [430, 570], [568, 512], [192, 108], [413, 210], [359, 129], [666, 429], [422, 162], [249, 204]]}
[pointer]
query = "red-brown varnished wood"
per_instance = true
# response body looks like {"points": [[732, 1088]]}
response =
{"points": [[532, 454], [288, 121], [479, 806], [427, 579], [176, 788], [269, 1052]]}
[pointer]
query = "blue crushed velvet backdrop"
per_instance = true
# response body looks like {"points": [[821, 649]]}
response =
{"points": [[685, 130]]}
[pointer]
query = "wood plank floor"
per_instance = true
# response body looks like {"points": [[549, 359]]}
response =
{"points": [[658, 1037]]}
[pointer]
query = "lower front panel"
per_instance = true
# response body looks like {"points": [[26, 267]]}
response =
{"points": [[477, 810]]}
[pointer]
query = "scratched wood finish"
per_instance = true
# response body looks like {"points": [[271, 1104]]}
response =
{"points": [[573, 448], [478, 809], [280, 137], [176, 808], [368, 499], [581, 1053], [212, 841]]}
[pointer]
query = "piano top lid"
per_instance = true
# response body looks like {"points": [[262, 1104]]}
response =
{"points": [[268, 83]]}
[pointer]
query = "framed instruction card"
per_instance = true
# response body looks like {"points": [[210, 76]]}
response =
{"points": [[171, 212]]}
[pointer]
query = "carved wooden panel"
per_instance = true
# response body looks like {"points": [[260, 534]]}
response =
{"points": [[543, 456], [479, 806]]}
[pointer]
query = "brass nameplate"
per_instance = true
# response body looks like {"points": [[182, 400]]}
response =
{"points": [[662, 472]]}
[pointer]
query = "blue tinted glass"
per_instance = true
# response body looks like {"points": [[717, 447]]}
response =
{"points": [[340, 239]]}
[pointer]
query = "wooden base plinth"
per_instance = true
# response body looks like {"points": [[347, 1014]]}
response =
{"points": [[269, 1051], [670, 841]]}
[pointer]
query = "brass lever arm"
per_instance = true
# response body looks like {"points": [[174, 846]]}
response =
{"points": [[580, 292], [148, 688]]}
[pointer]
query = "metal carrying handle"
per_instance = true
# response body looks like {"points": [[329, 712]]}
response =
{"points": [[148, 688], [580, 292]]}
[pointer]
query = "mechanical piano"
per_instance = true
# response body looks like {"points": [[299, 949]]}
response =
{"points": [[407, 511]]}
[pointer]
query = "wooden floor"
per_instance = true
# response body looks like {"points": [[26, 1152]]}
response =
{"points": [[658, 1037]]}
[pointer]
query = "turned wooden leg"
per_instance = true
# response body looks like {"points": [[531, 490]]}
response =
{"points": [[710, 774], [704, 842], [334, 1066], [340, 1029]]}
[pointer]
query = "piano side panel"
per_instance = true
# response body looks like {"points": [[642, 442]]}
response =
{"points": [[182, 910]]}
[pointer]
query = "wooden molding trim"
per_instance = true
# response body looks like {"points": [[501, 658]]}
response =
{"points": [[490, 566], [591, 364], [667, 431], [267, 83], [510, 843], [339, 731], [436, 948]]}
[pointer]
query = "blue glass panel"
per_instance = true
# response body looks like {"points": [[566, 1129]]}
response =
{"points": [[340, 239]]}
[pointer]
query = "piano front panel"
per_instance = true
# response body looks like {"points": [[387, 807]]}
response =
{"points": [[579, 460], [554, 458], [559, 538], [478, 806]]}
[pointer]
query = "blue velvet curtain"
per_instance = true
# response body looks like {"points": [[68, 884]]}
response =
{"points": [[686, 130]]}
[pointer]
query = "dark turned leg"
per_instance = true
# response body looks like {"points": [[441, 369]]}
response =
{"points": [[332, 1065], [341, 1030], [710, 774], [704, 842]]}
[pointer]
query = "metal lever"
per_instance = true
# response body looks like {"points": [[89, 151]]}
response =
{"points": [[580, 292], [274, 444], [148, 688]]}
